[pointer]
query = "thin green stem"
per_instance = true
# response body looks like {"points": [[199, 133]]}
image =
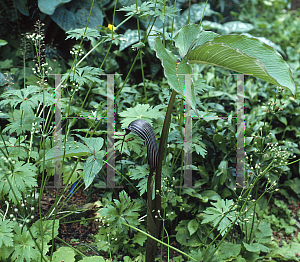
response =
{"points": [[67, 244], [162, 144], [173, 21], [203, 13], [189, 11], [174, 248]]}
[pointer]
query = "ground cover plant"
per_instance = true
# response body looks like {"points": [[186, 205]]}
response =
{"points": [[167, 66]]}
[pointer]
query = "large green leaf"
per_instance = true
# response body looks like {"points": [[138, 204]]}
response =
{"points": [[175, 70], [204, 37], [186, 37], [76, 14], [72, 149], [229, 27], [92, 167], [246, 55], [239, 53], [129, 38], [48, 7]]}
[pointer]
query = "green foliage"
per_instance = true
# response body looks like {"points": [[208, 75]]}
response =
{"points": [[2, 42], [174, 67], [221, 215], [6, 228], [184, 237], [121, 211], [229, 251], [140, 173], [66, 253], [151, 8], [131, 37], [27, 99], [44, 230], [113, 232], [48, 7], [213, 220], [230, 47], [21, 123], [76, 14], [18, 180], [23, 247], [141, 112], [84, 75], [280, 218], [82, 33]]}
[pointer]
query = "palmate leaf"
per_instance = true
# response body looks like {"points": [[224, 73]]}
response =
{"points": [[69, 255], [72, 149], [165, 11], [121, 210], [28, 98], [84, 75], [92, 150], [24, 246], [22, 178], [15, 97], [89, 33], [76, 149], [21, 122], [6, 235], [139, 238], [141, 112], [141, 10], [263, 232], [140, 173], [229, 250], [93, 143], [214, 214], [47, 231]]}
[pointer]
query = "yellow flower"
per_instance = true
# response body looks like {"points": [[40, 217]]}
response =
{"points": [[111, 27]]}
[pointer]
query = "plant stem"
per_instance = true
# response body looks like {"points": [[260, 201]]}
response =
{"points": [[179, 251], [162, 143], [151, 247]]}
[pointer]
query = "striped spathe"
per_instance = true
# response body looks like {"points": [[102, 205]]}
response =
{"points": [[145, 131]]}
